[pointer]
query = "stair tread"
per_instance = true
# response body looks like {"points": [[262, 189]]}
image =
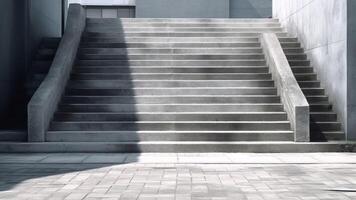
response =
{"points": [[139, 131]]}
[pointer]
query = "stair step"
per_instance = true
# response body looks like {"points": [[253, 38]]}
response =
{"points": [[302, 69], [290, 50], [13, 136], [174, 91], [166, 125], [171, 69], [180, 20], [171, 57], [132, 107], [193, 51], [185, 29], [296, 56], [172, 76], [206, 99], [299, 62], [171, 39], [168, 83], [166, 116], [320, 107], [132, 136], [171, 62], [177, 146], [172, 45], [175, 34], [290, 45], [179, 39], [323, 99], [323, 116], [309, 84], [333, 135], [313, 91], [124, 25], [326, 126], [306, 77]]}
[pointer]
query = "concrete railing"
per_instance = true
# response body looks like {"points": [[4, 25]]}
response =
{"points": [[44, 102], [295, 103]]}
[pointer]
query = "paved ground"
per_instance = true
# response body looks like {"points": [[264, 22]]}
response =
{"points": [[178, 176]]}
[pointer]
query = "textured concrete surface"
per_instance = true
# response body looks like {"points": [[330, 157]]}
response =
{"points": [[44, 101], [351, 69], [292, 96], [182, 9], [250, 8], [321, 26], [178, 176]]}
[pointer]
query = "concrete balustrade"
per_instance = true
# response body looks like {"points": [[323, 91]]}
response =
{"points": [[44, 102], [295, 103]]}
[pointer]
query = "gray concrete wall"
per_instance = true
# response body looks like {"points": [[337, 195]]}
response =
{"points": [[12, 51], [182, 8], [250, 8], [351, 69], [45, 21], [321, 26]]}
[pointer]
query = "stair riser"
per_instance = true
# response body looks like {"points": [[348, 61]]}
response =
{"points": [[178, 20], [169, 45], [296, 56], [170, 70], [323, 117], [168, 84], [170, 108], [305, 77], [184, 30], [290, 45], [107, 137], [314, 84], [320, 108], [172, 63], [299, 63], [293, 50], [169, 117], [171, 77], [313, 100], [302, 70], [180, 39], [325, 127], [170, 51], [171, 57], [169, 39], [317, 91], [125, 25], [59, 126], [172, 91], [175, 34], [170, 100], [334, 137]]}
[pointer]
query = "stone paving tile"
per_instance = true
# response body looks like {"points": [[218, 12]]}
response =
{"points": [[105, 158], [136, 181], [185, 158], [65, 158]]}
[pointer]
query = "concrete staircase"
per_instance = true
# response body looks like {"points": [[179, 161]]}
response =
{"points": [[182, 85], [167, 81]]}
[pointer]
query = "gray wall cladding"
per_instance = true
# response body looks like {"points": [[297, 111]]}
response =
{"points": [[250, 8], [12, 51], [182, 8]]}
